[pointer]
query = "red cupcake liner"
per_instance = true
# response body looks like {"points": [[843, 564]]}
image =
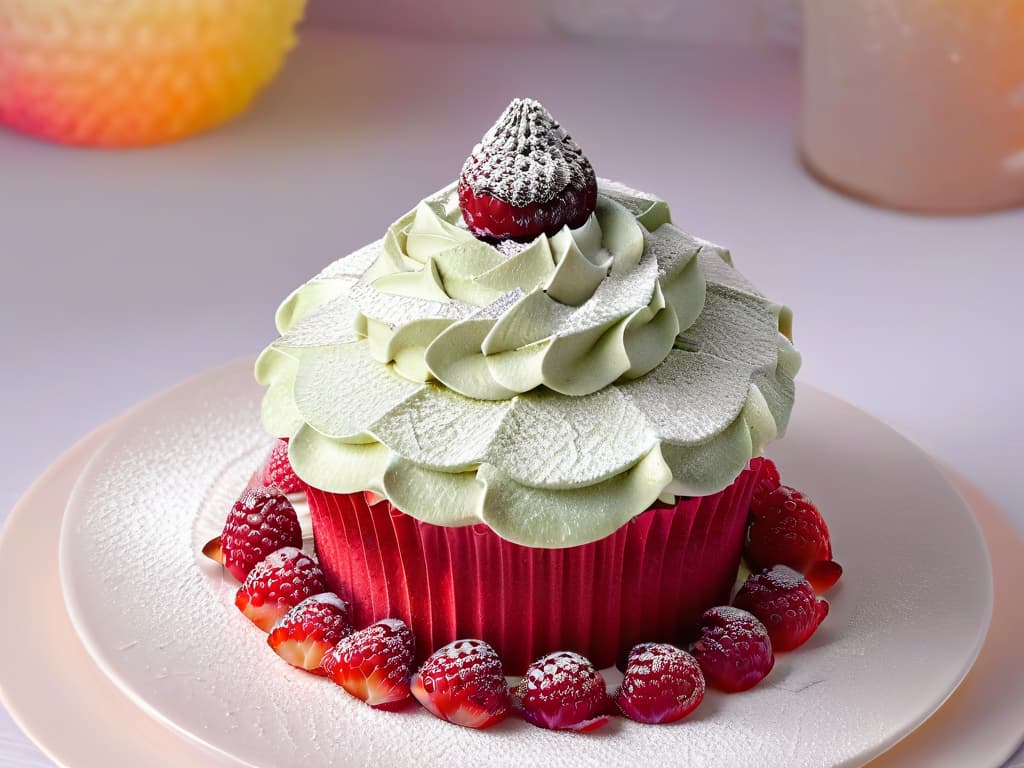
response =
{"points": [[649, 581]]}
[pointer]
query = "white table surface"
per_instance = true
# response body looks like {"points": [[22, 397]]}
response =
{"points": [[125, 272]]}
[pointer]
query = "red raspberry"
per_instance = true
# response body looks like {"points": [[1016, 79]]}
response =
{"points": [[734, 649], [260, 522], [785, 603], [374, 663], [526, 177], [464, 684], [311, 629], [787, 529], [280, 582], [562, 691], [277, 471], [767, 481], [662, 684]]}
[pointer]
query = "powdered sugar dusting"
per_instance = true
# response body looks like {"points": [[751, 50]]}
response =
{"points": [[620, 190], [563, 691], [557, 673], [510, 248], [500, 306], [526, 157], [334, 322], [662, 684], [783, 577], [460, 649], [286, 556], [387, 643], [329, 598], [653, 659], [395, 625], [727, 615], [396, 311], [355, 264], [462, 662]]}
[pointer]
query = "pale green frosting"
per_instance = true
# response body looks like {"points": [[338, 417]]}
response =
{"points": [[573, 312], [552, 393]]}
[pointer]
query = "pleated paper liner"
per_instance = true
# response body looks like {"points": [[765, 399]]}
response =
{"points": [[648, 581]]}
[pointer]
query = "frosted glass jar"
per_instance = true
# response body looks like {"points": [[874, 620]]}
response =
{"points": [[916, 104]]}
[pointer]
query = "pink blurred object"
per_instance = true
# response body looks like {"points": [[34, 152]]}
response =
{"points": [[916, 104]]}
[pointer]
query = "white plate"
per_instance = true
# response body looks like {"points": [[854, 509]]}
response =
{"points": [[979, 725], [906, 623]]}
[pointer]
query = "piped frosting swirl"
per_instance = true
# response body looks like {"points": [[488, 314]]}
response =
{"points": [[573, 312], [551, 391]]}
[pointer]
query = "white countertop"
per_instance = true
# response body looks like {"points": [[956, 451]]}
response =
{"points": [[125, 272]]}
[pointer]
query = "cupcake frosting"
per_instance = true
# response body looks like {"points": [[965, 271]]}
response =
{"points": [[573, 312], [551, 390]]}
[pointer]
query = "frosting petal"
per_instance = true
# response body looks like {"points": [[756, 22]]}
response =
{"points": [[525, 271], [565, 518], [650, 210], [436, 430], [553, 441], [691, 397], [333, 322], [276, 370], [441, 498], [576, 277], [336, 466], [324, 379], [456, 359], [335, 280]]}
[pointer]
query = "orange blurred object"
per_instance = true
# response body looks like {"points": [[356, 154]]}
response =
{"points": [[134, 72]]}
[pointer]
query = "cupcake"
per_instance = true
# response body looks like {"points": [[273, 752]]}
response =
{"points": [[532, 412]]}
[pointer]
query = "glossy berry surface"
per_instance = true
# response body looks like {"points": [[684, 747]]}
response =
{"points": [[823, 575], [463, 683], [563, 691], [278, 473], [310, 629], [734, 650], [768, 479], [278, 583], [492, 218], [662, 684], [785, 603], [787, 529], [374, 664], [260, 522]]}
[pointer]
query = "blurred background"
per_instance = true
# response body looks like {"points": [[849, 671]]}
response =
{"points": [[797, 136], [717, 22]]}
